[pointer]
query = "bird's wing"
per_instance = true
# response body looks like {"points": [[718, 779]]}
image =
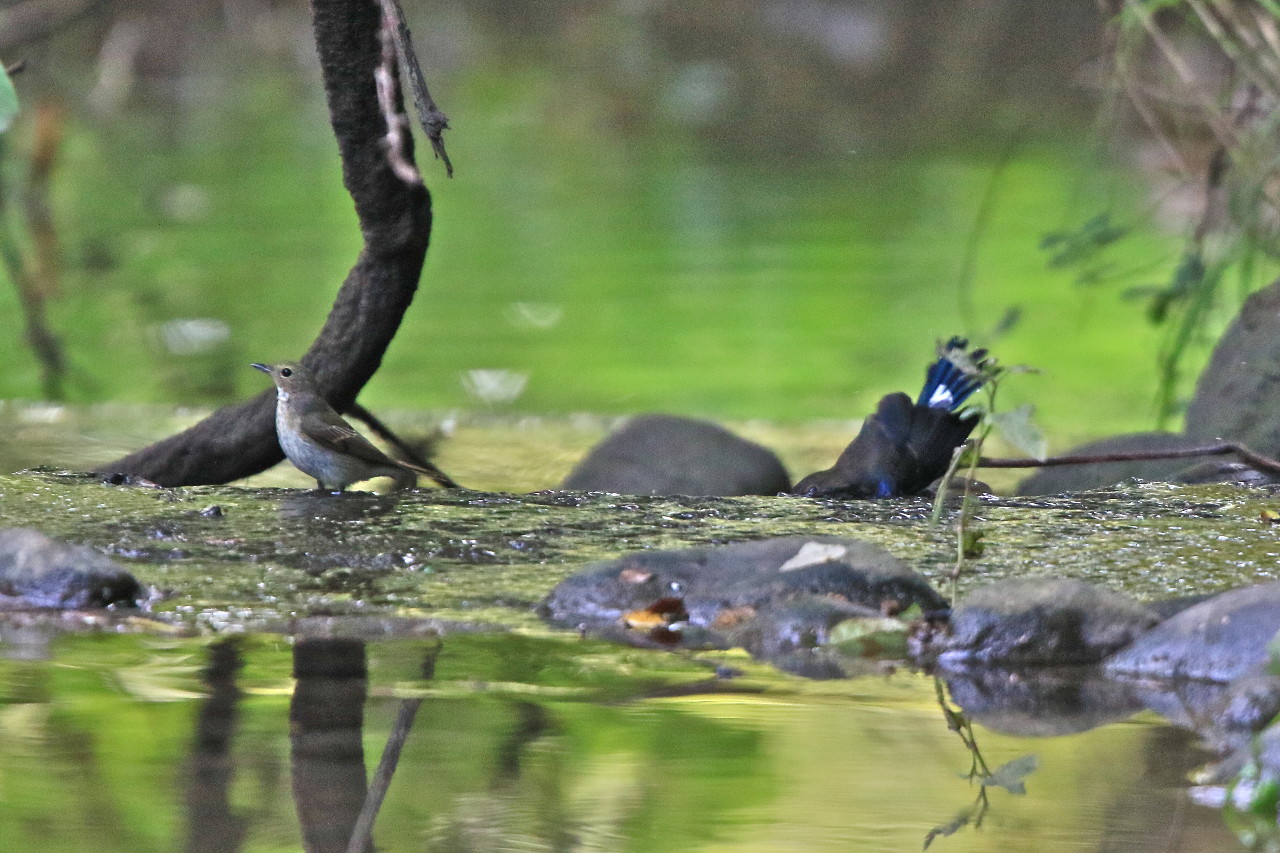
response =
{"points": [[335, 433]]}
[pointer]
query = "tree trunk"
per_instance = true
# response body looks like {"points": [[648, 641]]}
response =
{"points": [[395, 218]]}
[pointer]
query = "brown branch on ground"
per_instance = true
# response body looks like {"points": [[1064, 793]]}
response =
{"points": [[434, 122], [395, 220], [1221, 448]]}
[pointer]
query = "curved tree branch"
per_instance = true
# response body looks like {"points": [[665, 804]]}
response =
{"points": [[395, 219]]}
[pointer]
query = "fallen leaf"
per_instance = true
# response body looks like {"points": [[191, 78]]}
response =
{"points": [[814, 554], [661, 614]]}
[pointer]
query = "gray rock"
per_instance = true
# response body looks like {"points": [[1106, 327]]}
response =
{"points": [[43, 572], [1250, 704], [1225, 469], [1256, 762], [1166, 607], [1096, 475], [1218, 640], [668, 455], [1238, 394], [721, 588], [1039, 621]]}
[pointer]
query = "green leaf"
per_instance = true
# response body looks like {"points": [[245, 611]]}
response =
{"points": [[1012, 776], [8, 101], [873, 637], [1018, 429]]}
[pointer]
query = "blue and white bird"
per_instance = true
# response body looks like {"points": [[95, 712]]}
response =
{"points": [[905, 446]]}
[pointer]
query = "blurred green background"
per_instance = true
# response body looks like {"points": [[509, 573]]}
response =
{"points": [[763, 211]]}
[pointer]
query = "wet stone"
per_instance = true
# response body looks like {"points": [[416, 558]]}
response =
{"points": [[668, 455], [773, 596], [1249, 705], [1220, 639], [1037, 621], [42, 572]]}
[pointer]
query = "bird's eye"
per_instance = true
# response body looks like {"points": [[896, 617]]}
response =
{"points": [[284, 371]]}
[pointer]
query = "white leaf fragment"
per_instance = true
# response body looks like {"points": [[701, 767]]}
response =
{"points": [[813, 554]]}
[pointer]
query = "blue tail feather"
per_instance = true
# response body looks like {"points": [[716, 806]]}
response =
{"points": [[947, 385]]}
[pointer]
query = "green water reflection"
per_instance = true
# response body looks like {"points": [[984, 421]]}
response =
{"points": [[135, 743]]}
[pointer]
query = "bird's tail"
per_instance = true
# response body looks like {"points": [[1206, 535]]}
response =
{"points": [[430, 470], [953, 377]]}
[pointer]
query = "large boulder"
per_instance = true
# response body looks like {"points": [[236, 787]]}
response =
{"points": [[669, 455], [773, 596], [1221, 639], [41, 572], [1238, 394]]}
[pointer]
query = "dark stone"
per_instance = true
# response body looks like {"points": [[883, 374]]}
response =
{"points": [[43, 572], [1238, 395], [804, 622], [1250, 705], [668, 455], [1224, 469], [1218, 640], [1095, 475], [1166, 607], [1041, 702], [723, 589], [1038, 621], [1258, 758]]}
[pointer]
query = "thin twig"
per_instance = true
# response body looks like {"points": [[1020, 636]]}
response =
{"points": [[362, 833], [42, 340], [434, 123], [1224, 133], [384, 77]]}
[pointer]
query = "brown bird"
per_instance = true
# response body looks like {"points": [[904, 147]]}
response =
{"points": [[321, 444]]}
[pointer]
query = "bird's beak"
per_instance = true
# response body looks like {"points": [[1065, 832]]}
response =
{"points": [[265, 368]]}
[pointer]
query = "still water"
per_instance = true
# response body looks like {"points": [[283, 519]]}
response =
{"points": [[766, 217], [256, 743]]}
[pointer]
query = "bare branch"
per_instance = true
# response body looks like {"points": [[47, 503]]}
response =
{"points": [[434, 122], [1222, 448], [384, 77]]}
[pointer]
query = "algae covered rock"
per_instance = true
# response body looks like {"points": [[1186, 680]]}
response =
{"points": [[1220, 639], [42, 572], [1038, 621], [669, 455], [772, 595]]}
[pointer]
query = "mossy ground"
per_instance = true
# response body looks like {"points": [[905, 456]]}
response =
{"points": [[268, 556]]}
